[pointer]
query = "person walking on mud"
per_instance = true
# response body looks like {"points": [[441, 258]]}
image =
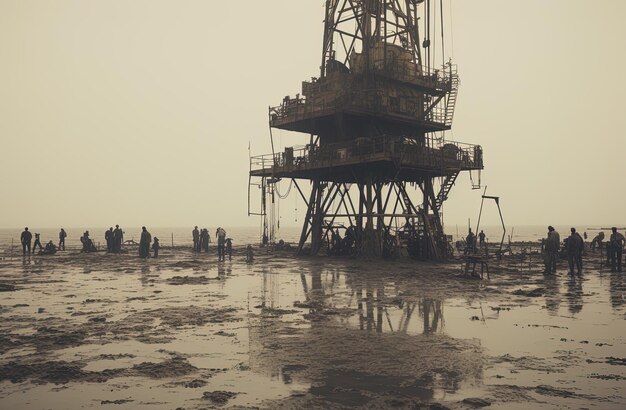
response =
{"points": [[144, 243], [552, 248], [26, 239], [37, 242], [616, 248], [575, 245], [108, 236], [62, 236], [196, 239], [221, 241]]}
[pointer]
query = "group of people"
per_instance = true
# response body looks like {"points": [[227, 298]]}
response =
{"points": [[201, 241], [26, 240], [88, 245], [573, 247], [114, 239], [144, 244], [473, 243]]}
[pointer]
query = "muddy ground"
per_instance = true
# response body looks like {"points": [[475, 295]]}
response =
{"points": [[186, 332]]}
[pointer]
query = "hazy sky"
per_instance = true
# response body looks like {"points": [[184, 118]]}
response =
{"points": [[140, 112]]}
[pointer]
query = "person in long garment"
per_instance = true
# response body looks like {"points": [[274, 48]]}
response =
{"points": [[205, 238], [221, 241], [144, 243], [108, 236], [118, 238]]}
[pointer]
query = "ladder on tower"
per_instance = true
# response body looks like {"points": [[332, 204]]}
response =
{"points": [[451, 100], [444, 191]]}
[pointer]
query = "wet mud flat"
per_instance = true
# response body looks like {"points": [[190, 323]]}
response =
{"points": [[188, 332]]}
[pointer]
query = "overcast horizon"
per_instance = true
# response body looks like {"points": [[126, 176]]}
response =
{"points": [[141, 112]]}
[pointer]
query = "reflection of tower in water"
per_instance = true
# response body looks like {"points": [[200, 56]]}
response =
{"points": [[270, 292], [385, 310], [337, 348]]}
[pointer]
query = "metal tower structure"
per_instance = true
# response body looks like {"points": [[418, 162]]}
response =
{"points": [[376, 116]]}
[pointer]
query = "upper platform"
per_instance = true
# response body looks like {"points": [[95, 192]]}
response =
{"points": [[387, 158], [392, 94]]}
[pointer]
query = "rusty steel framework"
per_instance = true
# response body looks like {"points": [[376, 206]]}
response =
{"points": [[376, 117]]}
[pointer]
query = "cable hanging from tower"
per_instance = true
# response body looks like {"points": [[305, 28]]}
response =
{"points": [[288, 190]]}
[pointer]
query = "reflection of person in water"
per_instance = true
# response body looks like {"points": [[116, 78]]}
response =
{"points": [[433, 307], [617, 290], [553, 294], [574, 295]]}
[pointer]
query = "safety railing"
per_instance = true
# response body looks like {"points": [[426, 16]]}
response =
{"points": [[431, 153]]}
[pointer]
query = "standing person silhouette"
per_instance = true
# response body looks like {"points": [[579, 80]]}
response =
{"points": [[62, 236], [196, 239], [144, 243], [108, 236], [118, 238], [616, 248], [26, 239], [221, 242], [37, 242]]}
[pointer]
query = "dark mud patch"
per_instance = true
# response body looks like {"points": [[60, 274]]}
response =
{"points": [[7, 287], [554, 392], [533, 293], [176, 317], [194, 384], [606, 377], [218, 397], [190, 280], [528, 363], [120, 401], [52, 338], [616, 361], [116, 356], [193, 264], [267, 311], [476, 402], [59, 372], [174, 367], [62, 372]]}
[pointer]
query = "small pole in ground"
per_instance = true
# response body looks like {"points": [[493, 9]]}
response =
{"points": [[172, 239]]}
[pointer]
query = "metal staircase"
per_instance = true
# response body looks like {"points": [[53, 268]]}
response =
{"points": [[444, 191], [451, 99]]}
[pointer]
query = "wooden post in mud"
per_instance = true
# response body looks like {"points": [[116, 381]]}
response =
{"points": [[172, 239]]}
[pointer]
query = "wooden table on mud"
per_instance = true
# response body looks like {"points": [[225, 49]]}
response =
{"points": [[474, 260]]}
